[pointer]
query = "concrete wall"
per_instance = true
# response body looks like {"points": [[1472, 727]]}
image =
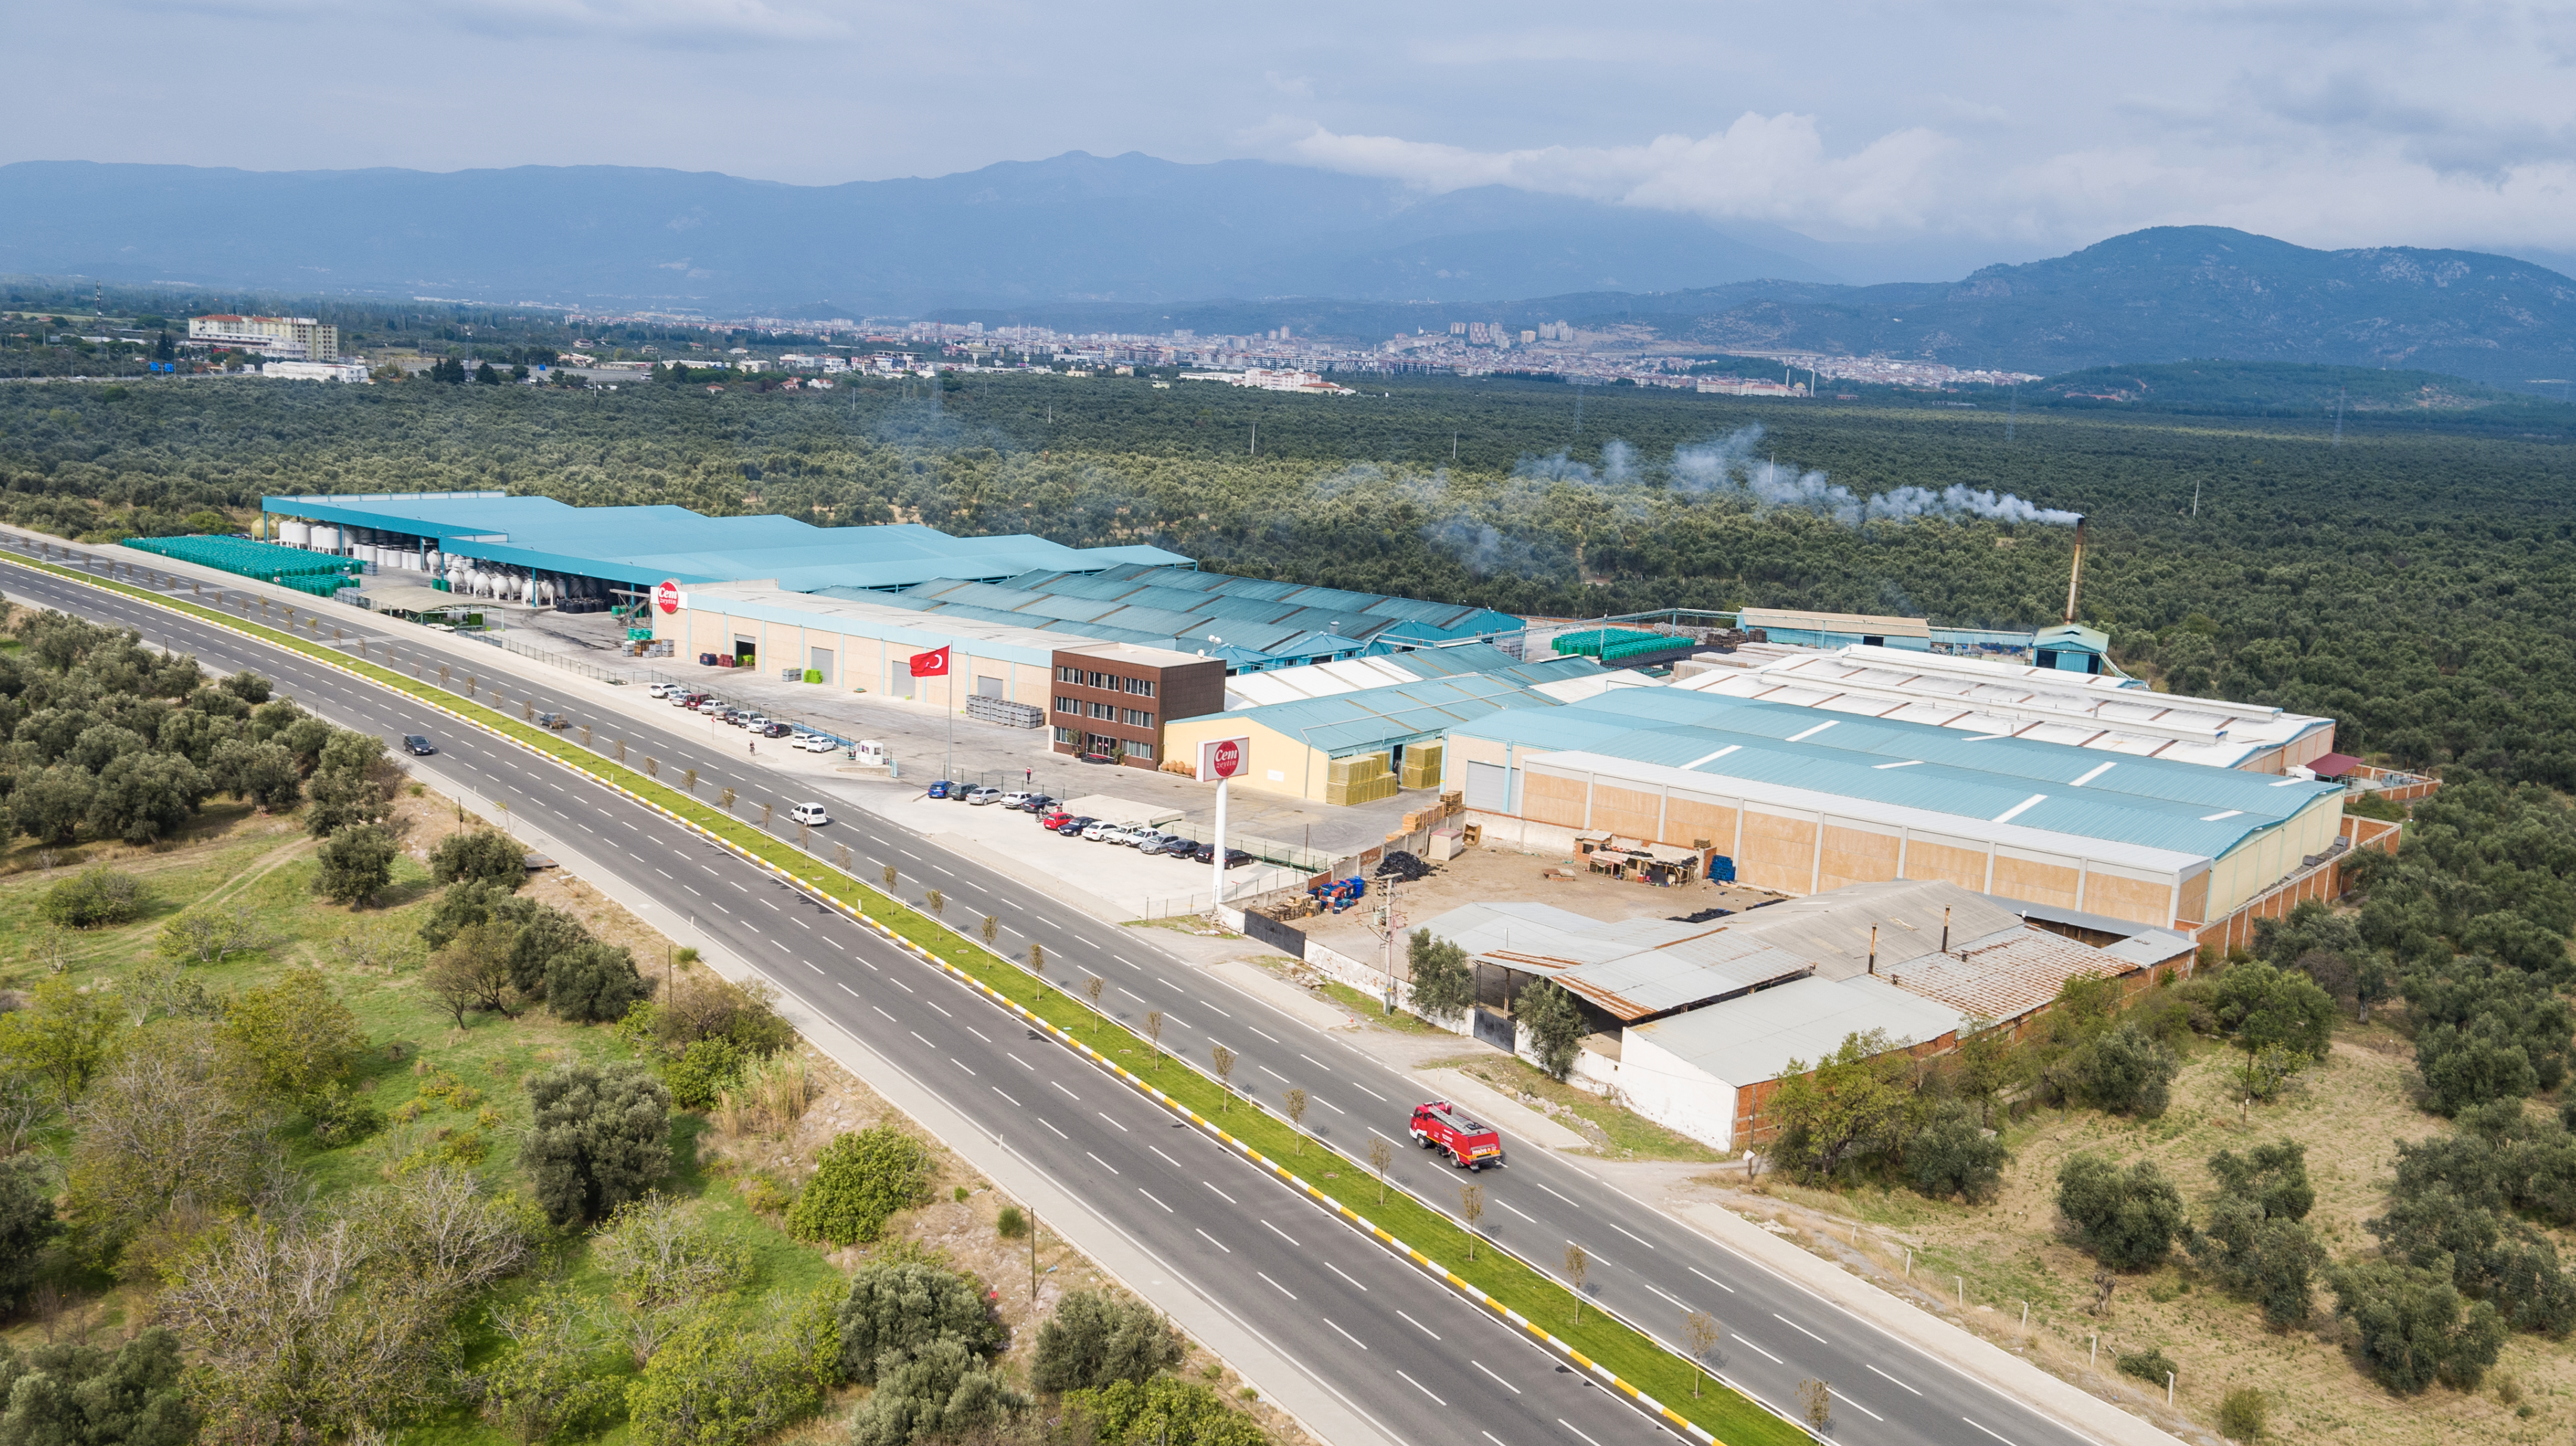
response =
{"points": [[862, 661], [1675, 1093]]}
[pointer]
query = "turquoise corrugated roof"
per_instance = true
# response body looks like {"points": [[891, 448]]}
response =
{"points": [[2151, 802], [646, 544], [1373, 718]]}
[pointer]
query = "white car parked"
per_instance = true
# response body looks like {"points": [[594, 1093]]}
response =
{"points": [[659, 690], [1015, 797]]}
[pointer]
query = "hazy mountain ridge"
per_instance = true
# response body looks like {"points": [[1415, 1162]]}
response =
{"points": [[1075, 227]]}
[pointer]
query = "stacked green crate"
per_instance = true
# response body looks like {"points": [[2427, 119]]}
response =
{"points": [[1591, 642], [264, 560]]}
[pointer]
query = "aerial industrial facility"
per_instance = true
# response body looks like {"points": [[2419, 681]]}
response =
{"points": [[1795, 752]]}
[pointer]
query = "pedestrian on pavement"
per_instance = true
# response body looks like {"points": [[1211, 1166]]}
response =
{"points": [[755, 748]]}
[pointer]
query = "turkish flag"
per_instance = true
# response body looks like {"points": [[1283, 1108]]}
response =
{"points": [[930, 665]]}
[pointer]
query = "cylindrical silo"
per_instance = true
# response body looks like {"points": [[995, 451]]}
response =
{"points": [[326, 538], [295, 532]]}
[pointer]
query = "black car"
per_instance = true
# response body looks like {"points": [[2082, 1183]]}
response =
{"points": [[1236, 858], [1073, 827], [1197, 853], [776, 730], [1038, 803], [418, 746]]}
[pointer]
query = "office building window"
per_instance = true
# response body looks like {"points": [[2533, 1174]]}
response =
{"points": [[1067, 735], [1140, 750], [1135, 719], [1068, 705]]}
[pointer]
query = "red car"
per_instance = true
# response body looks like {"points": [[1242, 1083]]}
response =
{"points": [[1469, 1144], [1054, 818]]}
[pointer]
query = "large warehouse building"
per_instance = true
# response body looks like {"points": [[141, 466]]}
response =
{"points": [[1802, 803], [1028, 622]]}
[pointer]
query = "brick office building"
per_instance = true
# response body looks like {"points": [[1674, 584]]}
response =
{"points": [[1112, 699]]}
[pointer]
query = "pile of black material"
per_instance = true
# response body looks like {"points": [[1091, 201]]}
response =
{"points": [[1402, 865]]}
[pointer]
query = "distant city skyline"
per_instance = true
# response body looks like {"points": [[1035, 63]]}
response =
{"points": [[1941, 136]]}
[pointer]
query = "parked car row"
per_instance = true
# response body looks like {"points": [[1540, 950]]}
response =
{"points": [[759, 724]]}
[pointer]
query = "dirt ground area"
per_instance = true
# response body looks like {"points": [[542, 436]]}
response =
{"points": [[768, 1159], [1496, 875], [2351, 1113]]}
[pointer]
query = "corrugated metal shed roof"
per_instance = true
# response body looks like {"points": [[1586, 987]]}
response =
{"points": [[2151, 802], [1747, 1040], [1377, 717], [2003, 975], [646, 544]]}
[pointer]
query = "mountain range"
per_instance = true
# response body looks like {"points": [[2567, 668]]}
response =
{"points": [[1133, 243]]}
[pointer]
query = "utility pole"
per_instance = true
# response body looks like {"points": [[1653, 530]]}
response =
{"points": [[1388, 924]]}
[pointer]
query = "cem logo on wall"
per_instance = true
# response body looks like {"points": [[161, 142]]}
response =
{"points": [[667, 596], [1224, 758]]}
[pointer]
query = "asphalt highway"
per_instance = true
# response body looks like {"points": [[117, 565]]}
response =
{"points": [[1403, 1350]]}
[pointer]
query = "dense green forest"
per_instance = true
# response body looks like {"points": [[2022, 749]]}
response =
{"points": [[2416, 585]]}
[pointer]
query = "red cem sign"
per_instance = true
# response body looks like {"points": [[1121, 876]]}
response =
{"points": [[667, 596], [1224, 758]]}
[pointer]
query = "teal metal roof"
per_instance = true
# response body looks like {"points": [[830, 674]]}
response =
{"points": [[1374, 718], [647, 544], [2181, 807]]}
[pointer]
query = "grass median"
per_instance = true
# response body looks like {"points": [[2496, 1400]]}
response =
{"points": [[1624, 1351]]}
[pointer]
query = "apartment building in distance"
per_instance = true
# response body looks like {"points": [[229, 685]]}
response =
{"points": [[279, 338]]}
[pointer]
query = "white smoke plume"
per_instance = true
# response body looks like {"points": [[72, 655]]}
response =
{"points": [[1728, 467]]}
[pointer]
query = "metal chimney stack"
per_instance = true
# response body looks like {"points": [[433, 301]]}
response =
{"points": [[2075, 578]]}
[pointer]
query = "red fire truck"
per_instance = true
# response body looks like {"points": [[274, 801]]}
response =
{"points": [[1469, 1145]]}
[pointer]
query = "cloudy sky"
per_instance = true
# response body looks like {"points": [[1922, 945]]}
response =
{"points": [[2009, 129]]}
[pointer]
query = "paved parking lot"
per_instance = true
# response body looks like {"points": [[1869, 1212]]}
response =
{"points": [[919, 736]]}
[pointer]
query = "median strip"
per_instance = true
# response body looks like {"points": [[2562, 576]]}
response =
{"points": [[1602, 1343]]}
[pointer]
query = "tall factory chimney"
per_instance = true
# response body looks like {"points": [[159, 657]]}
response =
{"points": [[2075, 578]]}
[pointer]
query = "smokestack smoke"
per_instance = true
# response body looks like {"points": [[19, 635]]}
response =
{"points": [[1728, 468], [2075, 575]]}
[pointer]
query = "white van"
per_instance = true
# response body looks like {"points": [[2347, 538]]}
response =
{"points": [[808, 813]]}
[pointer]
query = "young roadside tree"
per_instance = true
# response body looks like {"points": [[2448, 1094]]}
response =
{"points": [[942, 1392], [2127, 1219], [729, 1378], [600, 1137], [210, 935], [1555, 1023], [1444, 984], [545, 1382], [474, 967], [1094, 1339], [356, 864]]}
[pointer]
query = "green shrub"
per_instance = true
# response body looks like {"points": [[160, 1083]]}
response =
{"points": [[723, 1381], [2127, 1219], [341, 1117], [2413, 1328], [64, 1393], [901, 1307], [703, 1070], [859, 1180], [1555, 1024], [485, 856], [94, 898], [600, 1137], [27, 1226], [592, 983], [2127, 1071], [1954, 1156], [1094, 1339], [1161, 1412], [1011, 1224], [2148, 1365], [942, 1391], [2240, 1415]]}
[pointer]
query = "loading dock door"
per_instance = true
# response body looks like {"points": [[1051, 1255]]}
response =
{"points": [[1489, 787], [822, 663], [988, 687]]}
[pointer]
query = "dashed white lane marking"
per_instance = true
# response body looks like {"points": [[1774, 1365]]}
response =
{"points": [[1499, 1381], [1747, 1343], [1711, 1279], [1344, 1274], [1212, 1240], [1104, 1164], [1426, 1390], [1802, 1330], [1346, 1335], [1274, 1285], [1884, 1376]]}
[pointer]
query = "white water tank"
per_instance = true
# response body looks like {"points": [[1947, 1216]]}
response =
{"points": [[326, 538], [295, 533]]}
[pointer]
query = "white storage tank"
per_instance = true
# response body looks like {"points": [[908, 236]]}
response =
{"points": [[294, 532], [326, 538]]}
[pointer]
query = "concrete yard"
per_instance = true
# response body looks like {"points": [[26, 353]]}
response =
{"points": [[1498, 875]]}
